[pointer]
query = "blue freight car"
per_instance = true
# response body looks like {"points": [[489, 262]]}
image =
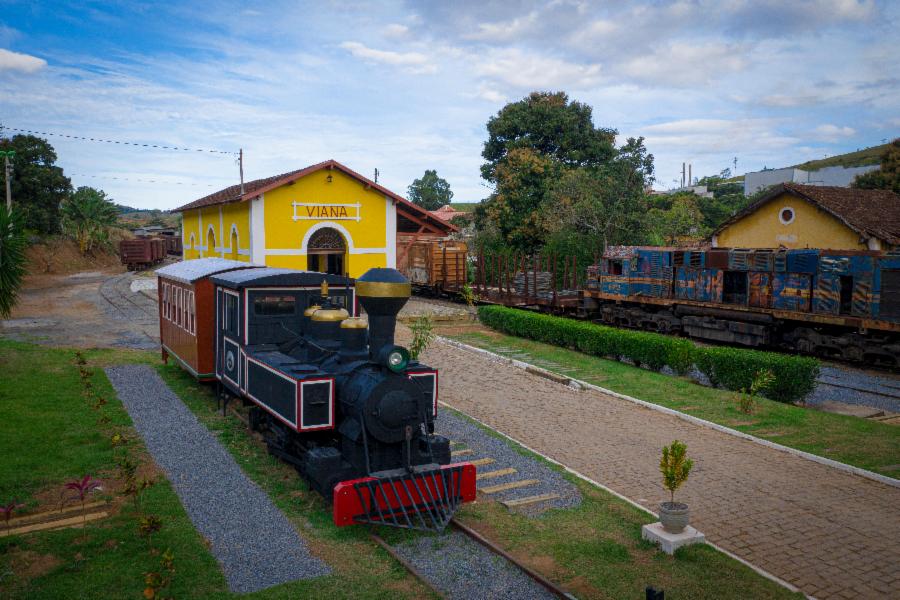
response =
{"points": [[841, 304]]}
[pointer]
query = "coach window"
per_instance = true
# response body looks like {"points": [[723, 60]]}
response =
{"points": [[272, 306], [231, 314]]}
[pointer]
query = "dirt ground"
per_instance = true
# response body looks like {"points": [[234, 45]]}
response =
{"points": [[90, 309]]}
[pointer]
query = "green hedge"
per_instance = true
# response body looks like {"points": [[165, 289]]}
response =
{"points": [[731, 368]]}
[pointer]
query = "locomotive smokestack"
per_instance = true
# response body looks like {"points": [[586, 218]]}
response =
{"points": [[382, 293]]}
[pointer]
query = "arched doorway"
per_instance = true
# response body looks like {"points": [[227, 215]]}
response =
{"points": [[210, 242], [326, 252], [234, 245]]}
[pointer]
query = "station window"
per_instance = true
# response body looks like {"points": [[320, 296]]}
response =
{"points": [[268, 305]]}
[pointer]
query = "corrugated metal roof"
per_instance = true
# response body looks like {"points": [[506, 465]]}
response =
{"points": [[270, 276], [189, 271]]}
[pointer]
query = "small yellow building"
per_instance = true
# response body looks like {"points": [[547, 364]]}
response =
{"points": [[810, 216], [325, 217]]}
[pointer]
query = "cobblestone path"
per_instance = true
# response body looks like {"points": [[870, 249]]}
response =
{"points": [[830, 533]]}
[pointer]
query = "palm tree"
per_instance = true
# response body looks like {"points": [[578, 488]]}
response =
{"points": [[87, 216], [12, 258]]}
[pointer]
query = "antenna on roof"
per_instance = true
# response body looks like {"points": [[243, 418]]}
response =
{"points": [[241, 167], [376, 175]]}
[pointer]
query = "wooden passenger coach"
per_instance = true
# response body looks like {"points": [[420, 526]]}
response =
{"points": [[187, 312]]}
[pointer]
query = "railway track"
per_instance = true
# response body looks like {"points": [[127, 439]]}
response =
{"points": [[551, 588]]}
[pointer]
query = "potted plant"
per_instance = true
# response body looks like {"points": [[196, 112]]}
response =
{"points": [[675, 467]]}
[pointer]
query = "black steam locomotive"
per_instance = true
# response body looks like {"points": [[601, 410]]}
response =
{"points": [[335, 396]]}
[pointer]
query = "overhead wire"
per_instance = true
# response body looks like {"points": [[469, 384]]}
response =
{"points": [[136, 144], [154, 181]]}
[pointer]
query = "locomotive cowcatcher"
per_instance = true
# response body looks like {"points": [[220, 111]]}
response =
{"points": [[335, 396]]}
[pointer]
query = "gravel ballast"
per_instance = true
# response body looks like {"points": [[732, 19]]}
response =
{"points": [[250, 537], [485, 445], [462, 568]]}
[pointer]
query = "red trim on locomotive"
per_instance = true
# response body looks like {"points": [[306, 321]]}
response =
{"points": [[348, 504]]}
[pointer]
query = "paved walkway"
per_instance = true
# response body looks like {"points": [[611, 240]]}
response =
{"points": [[251, 538], [830, 533]]}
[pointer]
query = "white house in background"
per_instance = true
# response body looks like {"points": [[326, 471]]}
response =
{"points": [[830, 176]]}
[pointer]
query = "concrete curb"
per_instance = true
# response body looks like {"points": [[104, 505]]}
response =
{"points": [[585, 478], [578, 384]]}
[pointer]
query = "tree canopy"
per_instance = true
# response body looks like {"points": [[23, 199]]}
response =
{"points": [[888, 176], [38, 185], [548, 124], [559, 176], [87, 216], [430, 192]]}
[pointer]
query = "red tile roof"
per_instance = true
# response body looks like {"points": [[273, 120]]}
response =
{"points": [[256, 187], [871, 213]]}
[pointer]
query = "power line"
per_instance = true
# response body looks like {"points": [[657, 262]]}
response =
{"points": [[155, 181], [90, 139]]}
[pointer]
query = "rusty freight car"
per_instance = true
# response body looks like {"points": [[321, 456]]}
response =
{"points": [[187, 312], [437, 266]]}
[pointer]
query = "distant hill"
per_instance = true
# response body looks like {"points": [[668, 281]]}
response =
{"points": [[860, 158]]}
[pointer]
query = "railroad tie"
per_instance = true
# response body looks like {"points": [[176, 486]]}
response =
{"points": [[455, 453], [77, 521], [512, 485], [481, 461], [528, 500], [495, 473]]}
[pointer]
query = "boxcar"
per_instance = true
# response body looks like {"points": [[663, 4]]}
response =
{"points": [[187, 312], [436, 265]]}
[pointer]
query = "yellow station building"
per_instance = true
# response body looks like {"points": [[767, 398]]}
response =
{"points": [[325, 217], [810, 216]]}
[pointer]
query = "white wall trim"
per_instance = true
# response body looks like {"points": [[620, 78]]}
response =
{"points": [[390, 232], [221, 228], [322, 225], [300, 252], [244, 251], [258, 230], [209, 228], [202, 245]]}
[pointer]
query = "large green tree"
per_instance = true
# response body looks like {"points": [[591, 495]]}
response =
{"points": [[430, 192], [888, 176], [548, 124], [608, 202], [38, 185], [548, 162], [87, 217]]}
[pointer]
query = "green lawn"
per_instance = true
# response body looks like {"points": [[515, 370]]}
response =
{"points": [[49, 434], [859, 442]]}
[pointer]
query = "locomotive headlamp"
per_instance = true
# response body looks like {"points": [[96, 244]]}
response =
{"points": [[394, 358]]}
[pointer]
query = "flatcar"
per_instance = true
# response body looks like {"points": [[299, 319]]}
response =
{"points": [[334, 396], [833, 303]]}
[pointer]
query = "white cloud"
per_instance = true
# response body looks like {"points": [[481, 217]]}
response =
{"points": [[529, 71], [15, 61], [505, 31], [414, 61], [833, 133], [685, 64], [395, 31]]}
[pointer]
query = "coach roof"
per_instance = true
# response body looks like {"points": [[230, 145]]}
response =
{"points": [[189, 271], [272, 277]]}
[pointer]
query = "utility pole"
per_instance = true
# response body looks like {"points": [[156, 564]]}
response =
{"points": [[376, 175], [241, 167], [7, 171]]}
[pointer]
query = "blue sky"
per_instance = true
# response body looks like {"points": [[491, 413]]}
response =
{"points": [[405, 87]]}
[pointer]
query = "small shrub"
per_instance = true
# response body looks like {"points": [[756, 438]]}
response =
{"points": [[675, 466], [422, 335], [747, 397], [82, 488], [157, 581], [148, 526]]}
